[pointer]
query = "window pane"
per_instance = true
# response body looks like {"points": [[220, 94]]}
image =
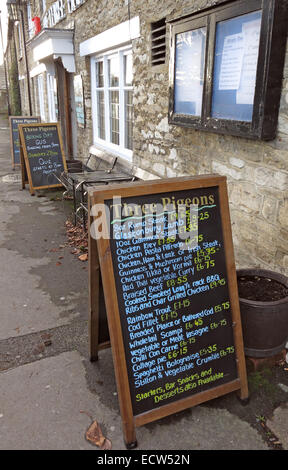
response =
{"points": [[113, 67], [55, 98], [101, 114], [128, 119], [235, 65], [128, 69], [189, 70], [99, 74], [51, 97], [114, 116], [41, 97]]}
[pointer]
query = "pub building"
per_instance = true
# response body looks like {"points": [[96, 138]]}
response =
{"points": [[171, 88]]}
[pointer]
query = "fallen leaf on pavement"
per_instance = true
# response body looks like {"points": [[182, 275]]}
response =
{"points": [[83, 257], [94, 435], [46, 338]]}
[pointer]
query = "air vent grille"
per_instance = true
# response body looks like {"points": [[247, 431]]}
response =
{"points": [[158, 42]]}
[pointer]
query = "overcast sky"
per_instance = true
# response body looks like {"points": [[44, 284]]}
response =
{"points": [[4, 27]]}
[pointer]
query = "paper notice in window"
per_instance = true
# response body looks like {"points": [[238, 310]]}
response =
{"points": [[251, 34], [231, 63]]}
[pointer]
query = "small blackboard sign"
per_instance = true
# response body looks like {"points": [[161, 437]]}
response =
{"points": [[14, 121], [43, 154], [171, 295]]}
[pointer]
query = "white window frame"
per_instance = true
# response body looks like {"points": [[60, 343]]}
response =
{"points": [[51, 97], [40, 82], [29, 21], [20, 40], [74, 4], [43, 3], [55, 13], [44, 17], [106, 144], [35, 95]]}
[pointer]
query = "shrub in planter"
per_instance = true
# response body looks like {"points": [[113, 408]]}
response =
{"points": [[263, 297]]}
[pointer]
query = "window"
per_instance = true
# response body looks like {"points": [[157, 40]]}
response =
{"points": [[235, 66], [35, 96], [112, 90], [52, 97], [30, 22], [226, 68], [42, 6], [189, 74], [20, 40], [74, 4], [55, 13], [41, 97]]}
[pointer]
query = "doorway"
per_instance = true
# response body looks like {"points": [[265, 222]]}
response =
{"points": [[65, 108]]}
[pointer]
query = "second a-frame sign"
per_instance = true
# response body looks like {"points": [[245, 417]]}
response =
{"points": [[43, 153]]}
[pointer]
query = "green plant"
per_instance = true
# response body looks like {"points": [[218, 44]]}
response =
{"points": [[260, 380]]}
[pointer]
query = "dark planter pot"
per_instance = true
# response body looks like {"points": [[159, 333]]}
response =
{"points": [[264, 324]]}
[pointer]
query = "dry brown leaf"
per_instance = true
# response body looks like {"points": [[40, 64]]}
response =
{"points": [[83, 257], [94, 435], [107, 445]]}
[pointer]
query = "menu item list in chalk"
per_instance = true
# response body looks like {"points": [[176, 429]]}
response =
{"points": [[174, 304], [44, 152]]}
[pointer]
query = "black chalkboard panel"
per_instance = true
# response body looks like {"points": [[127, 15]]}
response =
{"points": [[14, 135], [167, 264], [43, 154], [174, 304]]}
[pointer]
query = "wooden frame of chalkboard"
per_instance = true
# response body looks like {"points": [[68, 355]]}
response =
{"points": [[54, 125], [24, 175], [24, 120], [97, 322], [190, 383]]}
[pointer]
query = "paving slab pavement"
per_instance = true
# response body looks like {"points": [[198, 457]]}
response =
{"points": [[46, 405], [50, 394], [279, 424]]}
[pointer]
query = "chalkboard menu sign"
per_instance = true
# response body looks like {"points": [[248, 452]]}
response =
{"points": [[170, 287], [43, 154], [14, 121]]}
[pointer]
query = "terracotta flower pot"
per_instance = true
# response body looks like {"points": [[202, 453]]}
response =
{"points": [[265, 321]]}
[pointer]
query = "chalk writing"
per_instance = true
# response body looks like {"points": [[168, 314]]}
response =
{"points": [[174, 303]]}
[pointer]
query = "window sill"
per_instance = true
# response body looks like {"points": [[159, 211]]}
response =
{"points": [[102, 146]]}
